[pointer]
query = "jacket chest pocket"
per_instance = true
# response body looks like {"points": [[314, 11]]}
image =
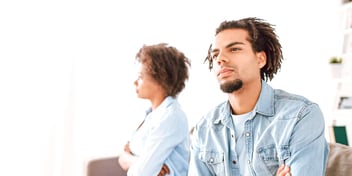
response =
{"points": [[273, 156], [214, 161]]}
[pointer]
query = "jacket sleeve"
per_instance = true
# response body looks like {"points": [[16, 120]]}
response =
{"points": [[309, 148], [161, 142]]}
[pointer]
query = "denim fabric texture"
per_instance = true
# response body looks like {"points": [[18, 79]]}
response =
{"points": [[282, 128], [162, 139]]}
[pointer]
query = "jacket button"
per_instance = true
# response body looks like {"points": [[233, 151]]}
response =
{"points": [[234, 161]]}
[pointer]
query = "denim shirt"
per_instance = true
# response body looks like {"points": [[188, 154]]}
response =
{"points": [[282, 128], [162, 139]]}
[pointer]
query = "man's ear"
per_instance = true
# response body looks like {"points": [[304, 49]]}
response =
{"points": [[261, 58]]}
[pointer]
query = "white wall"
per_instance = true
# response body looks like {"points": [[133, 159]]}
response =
{"points": [[66, 70]]}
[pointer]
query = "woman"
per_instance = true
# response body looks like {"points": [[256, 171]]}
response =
{"points": [[160, 145]]}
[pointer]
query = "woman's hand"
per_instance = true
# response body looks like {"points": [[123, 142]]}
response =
{"points": [[164, 170], [126, 158], [127, 148], [283, 171]]}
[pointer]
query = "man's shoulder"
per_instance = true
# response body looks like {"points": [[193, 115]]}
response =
{"points": [[284, 96], [290, 103], [273, 100]]}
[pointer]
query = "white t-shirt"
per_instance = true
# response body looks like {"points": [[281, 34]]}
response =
{"points": [[239, 121]]}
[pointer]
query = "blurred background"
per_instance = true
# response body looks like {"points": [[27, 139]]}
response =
{"points": [[67, 69]]}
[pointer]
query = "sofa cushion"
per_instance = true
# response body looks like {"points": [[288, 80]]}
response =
{"points": [[339, 160], [105, 167]]}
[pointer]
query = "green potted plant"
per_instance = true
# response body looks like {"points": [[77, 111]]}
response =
{"points": [[335, 60]]}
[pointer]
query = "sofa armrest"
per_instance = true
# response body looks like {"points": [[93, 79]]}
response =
{"points": [[339, 160]]}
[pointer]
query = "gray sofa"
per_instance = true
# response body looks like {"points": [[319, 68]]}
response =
{"points": [[339, 163], [105, 167]]}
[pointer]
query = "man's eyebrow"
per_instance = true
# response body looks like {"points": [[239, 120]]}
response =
{"points": [[233, 43], [228, 46]]}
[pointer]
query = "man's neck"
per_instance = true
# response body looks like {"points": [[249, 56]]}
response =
{"points": [[244, 100]]}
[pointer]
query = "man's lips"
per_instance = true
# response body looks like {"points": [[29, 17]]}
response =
{"points": [[225, 72]]}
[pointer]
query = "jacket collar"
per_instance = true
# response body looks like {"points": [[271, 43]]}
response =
{"points": [[264, 105]]}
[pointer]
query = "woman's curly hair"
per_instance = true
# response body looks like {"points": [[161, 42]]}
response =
{"points": [[167, 65]]}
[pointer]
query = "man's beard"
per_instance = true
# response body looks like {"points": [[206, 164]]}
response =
{"points": [[231, 86]]}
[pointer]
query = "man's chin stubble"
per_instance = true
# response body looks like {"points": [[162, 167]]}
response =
{"points": [[232, 86]]}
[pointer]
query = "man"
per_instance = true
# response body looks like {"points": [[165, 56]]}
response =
{"points": [[259, 130]]}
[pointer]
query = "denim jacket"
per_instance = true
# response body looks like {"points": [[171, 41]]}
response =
{"points": [[162, 139], [282, 128]]}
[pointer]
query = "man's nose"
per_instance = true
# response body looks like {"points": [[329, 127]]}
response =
{"points": [[221, 58]]}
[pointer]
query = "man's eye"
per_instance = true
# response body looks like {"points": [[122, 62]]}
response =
{"points": [[234, 49], [214, 56]]}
